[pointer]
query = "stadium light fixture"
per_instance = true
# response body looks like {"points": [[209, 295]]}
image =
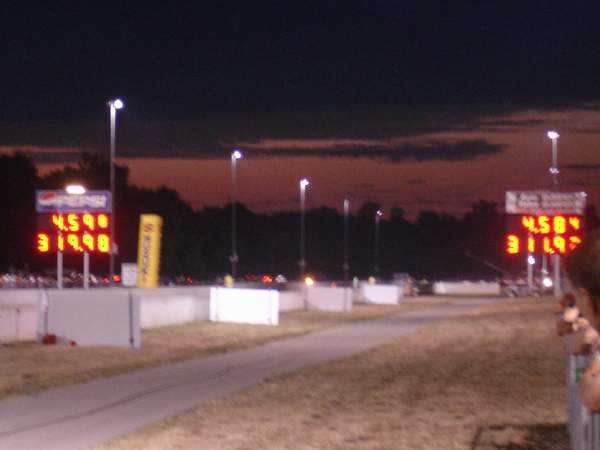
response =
{"points": [[75, 189]]}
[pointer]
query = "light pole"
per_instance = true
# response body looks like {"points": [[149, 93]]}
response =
{"points": [[113, 106], [346, 265], [530, 264], [302, 263], [553, 136], [233, 258], [378, 215]]}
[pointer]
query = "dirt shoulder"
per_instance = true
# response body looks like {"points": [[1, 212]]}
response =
{"points": [[491, 380], [27, 367]]}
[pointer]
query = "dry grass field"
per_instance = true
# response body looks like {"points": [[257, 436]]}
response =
{"points": [[28, 367], [491, 380]]}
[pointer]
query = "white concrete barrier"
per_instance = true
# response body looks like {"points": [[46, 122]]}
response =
{"points": [[94, 317], [24, 314], [172, 306], [335, 299], [291, 300], [254, 306], [380, 294], [466, 288], [18, 314], [18, 323], [18, 297]]}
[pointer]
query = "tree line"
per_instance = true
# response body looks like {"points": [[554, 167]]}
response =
{"points": [[197, 243]]}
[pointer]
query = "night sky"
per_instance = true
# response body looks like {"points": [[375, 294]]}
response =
{"points": [[419, 105]]}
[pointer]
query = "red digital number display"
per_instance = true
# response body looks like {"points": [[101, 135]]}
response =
{"points": [[73, 233], [544, 234]]}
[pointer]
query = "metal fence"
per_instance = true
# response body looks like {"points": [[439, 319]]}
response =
{"points": [[584, 428]]}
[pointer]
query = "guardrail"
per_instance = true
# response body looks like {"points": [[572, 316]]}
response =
{"points": [[584, 428]]}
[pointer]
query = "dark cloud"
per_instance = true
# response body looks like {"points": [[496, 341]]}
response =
{"points": [[581, 184], [46, 155], [214, 139], [366, 186], [414, 181], [215, 134], [503, 125], [580, 167], [431, 151], [512, 122]]}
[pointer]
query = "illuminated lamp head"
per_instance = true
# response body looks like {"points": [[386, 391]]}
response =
{"points": [[552, 135], [309, 281], [116, 103], [75, 189], [236, 154], [304, 182]]}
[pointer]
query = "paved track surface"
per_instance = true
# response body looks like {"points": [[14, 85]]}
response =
{"points": [[84, 415]]}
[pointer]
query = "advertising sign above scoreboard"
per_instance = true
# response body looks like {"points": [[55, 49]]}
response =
{"points": [[548, 203], [59, 201]]}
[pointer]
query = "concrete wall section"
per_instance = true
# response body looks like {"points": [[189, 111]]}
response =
{"points": [[254, 306], [18, 314], [466, 288], [95, 317], [291, 300], [24, 312], [18, 323], [172, 306], [380, 294], [18, 297], [329, 299]]}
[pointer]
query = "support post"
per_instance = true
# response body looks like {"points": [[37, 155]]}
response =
{"points": [[557, 280], [59, 269], [529, 272], [86, 270]]}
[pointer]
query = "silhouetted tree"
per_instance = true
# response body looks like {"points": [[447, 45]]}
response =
{"points": [[198, 243], [18, 181]]}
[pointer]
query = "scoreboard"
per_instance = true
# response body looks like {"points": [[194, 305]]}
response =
{"points": [[557, 234], [73, 233], [544, 222], [73, 223]]}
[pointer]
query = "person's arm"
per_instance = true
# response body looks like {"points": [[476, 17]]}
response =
{"points": [[585, 338], [589, 386]]}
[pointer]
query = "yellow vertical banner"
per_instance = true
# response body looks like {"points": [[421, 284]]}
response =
{"points": [[149, 250]]}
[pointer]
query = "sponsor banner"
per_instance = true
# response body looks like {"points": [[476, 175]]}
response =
{"points": [[59, 201], [149, 250], [545, 202]]}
